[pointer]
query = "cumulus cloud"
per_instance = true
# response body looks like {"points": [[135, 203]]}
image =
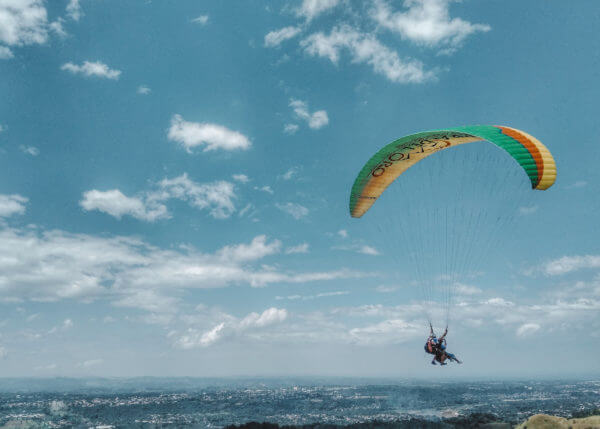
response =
{"points": [[90, 363], [310, 297], [275, 38], [143, 90], [265, 188], [315, 120], [426, 22], [94, 69], [295, 210], [463, 289], [211, 136], [74, 10], [242, 178], [290, 173], [387, 331], [57, 28], [24, 22], [300, 248], [359, 248], [268, 317], [66, 325], [216, 197], [365, 48], [11, 205], [202, 20], [527, 329], [258, 248], [5, 53], [311, 9], [499, 302], [386, 289], [55, 265], [290, 128], [231, 327], [116, 204], [568, 264], [30, 150], [527, 210]]}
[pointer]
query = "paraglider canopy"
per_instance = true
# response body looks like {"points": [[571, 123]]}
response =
{"points": [[395, 158]]}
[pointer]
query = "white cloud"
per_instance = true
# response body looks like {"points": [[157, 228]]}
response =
{"points": [[359, 248], [30, 150], [231, 327], [365, 48], [202, 20], [55, 265], [23, 22], [268, 317], [567, 264], [368, 250], [257, 249], [66, 325], [57, 28], [310, 297], [524, 211], [388, 331], [290, 128], [265, 188], [290, 173], [300, 248], [12, 204], [216, 197], [426, 22], [310, 9], [5, 53], [242, 178], [527, 329], [213, 136], [246, 209], [498, 302], [96, 69], [116, 204], [295, 210], [143, 90], [149, 300], [275, 38], [48, 367], [386, 289], [578, 184], [462, 289], [90, 363], [343, 233], [315, 120], [74, 10]]}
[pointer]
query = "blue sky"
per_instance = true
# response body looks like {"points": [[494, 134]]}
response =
{"points": [[175, 176]]}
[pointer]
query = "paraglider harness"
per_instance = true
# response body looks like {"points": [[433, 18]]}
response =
{"points": [[435, 346], [430, 346]]}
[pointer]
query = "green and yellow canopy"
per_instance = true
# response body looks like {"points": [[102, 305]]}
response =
{"points": [[395, 158]]}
